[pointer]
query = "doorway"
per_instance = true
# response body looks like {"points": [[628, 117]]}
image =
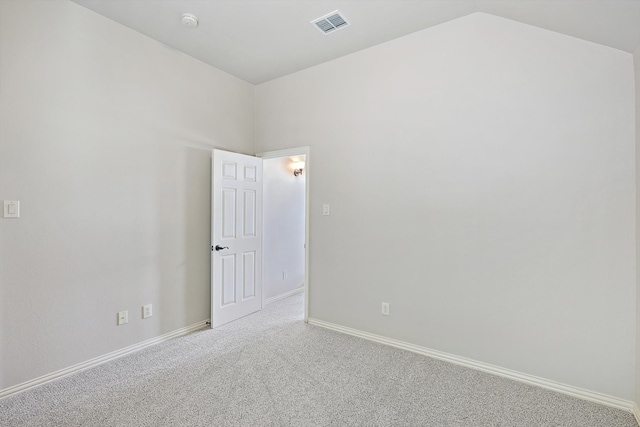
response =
{"points": [[285, 224]]}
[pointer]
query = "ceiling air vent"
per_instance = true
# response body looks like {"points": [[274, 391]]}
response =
{"points": [[331, 22]]}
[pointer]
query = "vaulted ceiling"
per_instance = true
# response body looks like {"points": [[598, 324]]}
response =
{"points": [[259, 40]]}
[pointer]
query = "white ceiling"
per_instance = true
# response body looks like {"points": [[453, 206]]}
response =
{"points": [[259, 40]]}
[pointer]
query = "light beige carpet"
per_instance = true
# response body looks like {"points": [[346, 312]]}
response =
{"points": [[272, 369]]}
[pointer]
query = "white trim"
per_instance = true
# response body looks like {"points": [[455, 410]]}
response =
{"points": [[299, 151], [287, 152], [100, 360], [579, 393], [284, 295], [636, 413]]}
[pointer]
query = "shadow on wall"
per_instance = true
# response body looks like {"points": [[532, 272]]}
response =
{"points": [[184, 294]]}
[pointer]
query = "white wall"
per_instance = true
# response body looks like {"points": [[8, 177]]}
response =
{"points": [[481, 180], [636, 63], [105, 139], [284, 227]]}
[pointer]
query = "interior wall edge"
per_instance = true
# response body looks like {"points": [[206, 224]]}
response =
{"points": [[284, 295], [577, 392], [82, 366]]}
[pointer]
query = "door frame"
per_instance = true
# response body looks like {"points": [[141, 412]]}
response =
{"points": [[292, 152]]}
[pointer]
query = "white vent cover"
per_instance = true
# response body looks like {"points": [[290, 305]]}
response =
{"points": [[330, 22]]}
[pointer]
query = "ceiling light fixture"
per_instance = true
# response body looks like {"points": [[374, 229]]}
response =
{"points": [[189, 20]]}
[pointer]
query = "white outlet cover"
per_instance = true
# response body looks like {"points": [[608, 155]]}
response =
{"points": [[147, 311], [385, 308], [123, 317]]}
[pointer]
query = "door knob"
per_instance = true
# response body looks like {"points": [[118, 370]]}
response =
{"points": [[219, 248]]}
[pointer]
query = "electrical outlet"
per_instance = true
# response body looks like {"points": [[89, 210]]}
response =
{"points": [[147, 311], [385, 308], [123, 317], [284, 274]]}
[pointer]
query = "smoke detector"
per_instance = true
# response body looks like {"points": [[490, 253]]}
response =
{"points": [[189, 20], [330, 22]]}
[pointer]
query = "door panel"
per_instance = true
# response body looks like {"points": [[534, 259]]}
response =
{"points": [[228, 213], [249, 225], [249, 274], [237, 228], [228, 277]]}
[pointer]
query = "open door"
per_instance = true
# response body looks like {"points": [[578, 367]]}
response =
{"points": [[236, 236]]}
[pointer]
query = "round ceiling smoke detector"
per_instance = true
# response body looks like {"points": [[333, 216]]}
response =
{"points": [[189, 20]]}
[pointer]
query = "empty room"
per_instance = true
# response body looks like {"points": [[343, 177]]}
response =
{"points": [[313, 213]]}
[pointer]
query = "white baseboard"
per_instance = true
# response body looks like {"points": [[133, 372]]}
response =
{"points": [[636, 413], [579, 393], [99, 360], [283, 296]]}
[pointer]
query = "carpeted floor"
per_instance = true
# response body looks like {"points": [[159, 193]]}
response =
{"points": [[271, 369]]}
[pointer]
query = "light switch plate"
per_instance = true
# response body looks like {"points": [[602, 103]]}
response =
{"points": [[11, 209]]}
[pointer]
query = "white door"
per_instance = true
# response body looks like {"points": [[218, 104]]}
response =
{"points": [[236, 251]]}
